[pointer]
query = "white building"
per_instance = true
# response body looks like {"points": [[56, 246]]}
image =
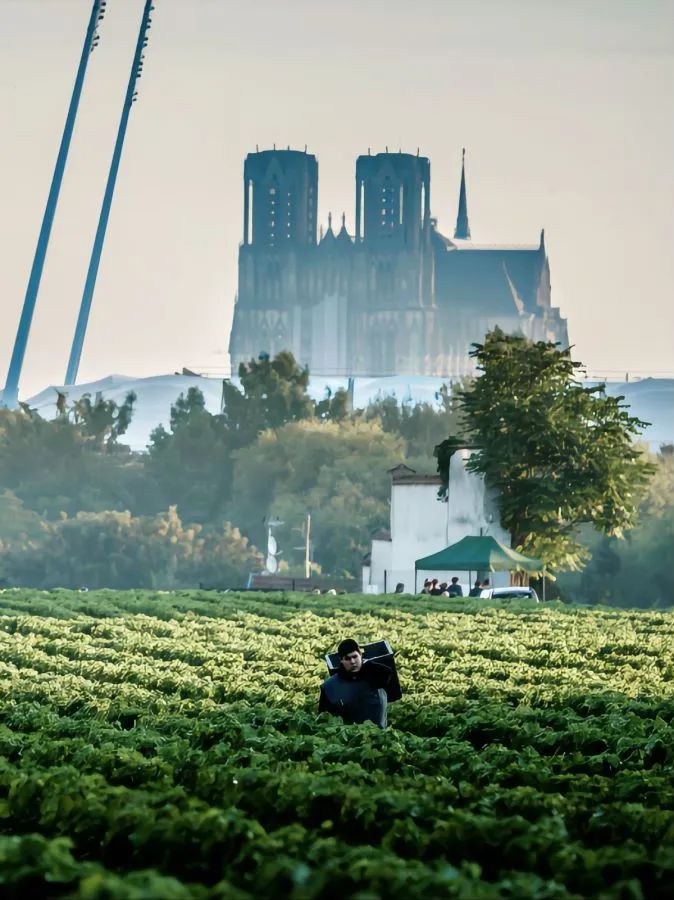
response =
{"points": [[422, 524]]}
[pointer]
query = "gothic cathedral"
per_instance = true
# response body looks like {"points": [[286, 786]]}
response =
{"points": [[395, 298]]}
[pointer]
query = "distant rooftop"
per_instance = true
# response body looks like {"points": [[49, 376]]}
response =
{"points": [[469, 245], [406, 478]]}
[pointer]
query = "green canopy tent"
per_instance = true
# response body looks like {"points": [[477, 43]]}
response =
{"points": [[477, 554]]}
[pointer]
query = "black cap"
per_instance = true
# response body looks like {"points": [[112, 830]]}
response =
{"points": [[348, 646]]}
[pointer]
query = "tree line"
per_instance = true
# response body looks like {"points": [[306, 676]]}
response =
{"points": [[78, 508], [574, 486]]}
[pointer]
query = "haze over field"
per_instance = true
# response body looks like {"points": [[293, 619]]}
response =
{"points": [[564, 110]]}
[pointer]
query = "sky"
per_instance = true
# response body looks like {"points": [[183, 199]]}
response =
{"points": [[565, 110]]}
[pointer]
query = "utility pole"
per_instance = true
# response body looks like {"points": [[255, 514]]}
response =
{"points": [[307, 549], [10, 395]]}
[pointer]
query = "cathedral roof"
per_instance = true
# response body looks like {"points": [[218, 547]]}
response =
{"points": [[500, 248], [335, 243], [490, 279]]}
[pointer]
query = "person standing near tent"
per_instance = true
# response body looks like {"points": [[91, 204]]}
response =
{"points": [[478, 553], [455, 589], [475, 590]]}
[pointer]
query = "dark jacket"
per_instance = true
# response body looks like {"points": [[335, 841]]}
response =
{"points": [[357, 697]]}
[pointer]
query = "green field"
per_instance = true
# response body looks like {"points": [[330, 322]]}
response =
{"points": [[166, 746]]}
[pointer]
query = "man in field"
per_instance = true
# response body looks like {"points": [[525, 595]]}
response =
{"points": [[357, 692]]}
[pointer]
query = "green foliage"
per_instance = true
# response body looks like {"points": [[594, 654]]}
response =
{"points": [[273, 392], [334, 407], [335, 471], [116, 550], [635, 571], [66, 465], [420, 425], [222, 468], [167, 745], [18, 527], [214, 469], [557, 453], [192, 464], [659, 500], [103, 422], [16, 522]]}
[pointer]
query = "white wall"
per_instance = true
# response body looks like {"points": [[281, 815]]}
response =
{"points": [[380, 561], [421, 525], [418, 524]]}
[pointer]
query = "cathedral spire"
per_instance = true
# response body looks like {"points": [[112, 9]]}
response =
{"points": [[343, 238], [462, 230]]}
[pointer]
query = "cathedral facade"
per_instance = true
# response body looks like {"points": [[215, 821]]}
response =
{"points": [[395, 298]]}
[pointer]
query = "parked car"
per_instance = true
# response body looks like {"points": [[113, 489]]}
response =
{"points": [[510, 593]]}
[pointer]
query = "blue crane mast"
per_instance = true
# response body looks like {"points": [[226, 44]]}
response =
{"points": [[10, 395], [92, 274]]}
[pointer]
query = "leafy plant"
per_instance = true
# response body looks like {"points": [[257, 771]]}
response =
{"points": [[167, 745], [557, 453]]}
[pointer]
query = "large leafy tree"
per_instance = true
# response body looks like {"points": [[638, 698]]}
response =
{"points": [[421, 425], [73, 462], [102, 421], [192, 462], [273, 392], [558, 453], [336, 472]]}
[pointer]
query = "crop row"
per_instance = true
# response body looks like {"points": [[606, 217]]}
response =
{"points": [[180, 754]]}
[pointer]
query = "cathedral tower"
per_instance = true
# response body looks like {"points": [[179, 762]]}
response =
{"points": [[393, 199], [280, 199]]}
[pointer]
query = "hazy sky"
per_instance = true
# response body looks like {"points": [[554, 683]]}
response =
{"points": [[565, 110]]}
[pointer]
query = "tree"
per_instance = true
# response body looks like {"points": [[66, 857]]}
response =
{"points": [[659, 500], [334, 407], [557, 453], [636, 571], [421, 425], [16, 522], [63, 465], [102, 421], [192, 463], [117, 550], [337, 472], [18, 526], [273, 392]]}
